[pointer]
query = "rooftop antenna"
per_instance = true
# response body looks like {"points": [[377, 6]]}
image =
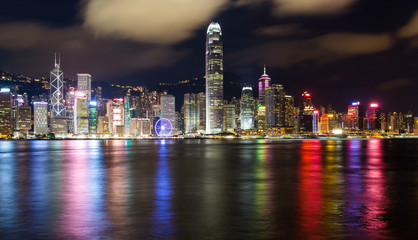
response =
{"points": [[264, 69], [59, 59], [55, 59]]}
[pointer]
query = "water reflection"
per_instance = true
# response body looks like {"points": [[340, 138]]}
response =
{"points": [[162, 216], [8, 204], [310, 192], [375, 191], [251, 189], [82, 212]]}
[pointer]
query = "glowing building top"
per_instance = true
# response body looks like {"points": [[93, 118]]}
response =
{"points": [[263, 83]]}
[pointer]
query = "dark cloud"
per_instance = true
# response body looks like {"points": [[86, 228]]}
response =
{"points": [[164, 22], [396, 84], [304, 7], [282, 30], [411, 28], [322, 49], [81, 51]]}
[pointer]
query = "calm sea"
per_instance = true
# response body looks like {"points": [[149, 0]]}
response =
{"points": [[209, 189]]}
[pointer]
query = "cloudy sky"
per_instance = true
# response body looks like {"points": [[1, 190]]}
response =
{"points": [[341, 51]]}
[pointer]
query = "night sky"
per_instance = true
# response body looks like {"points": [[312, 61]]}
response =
{"points": [[340, 50]]}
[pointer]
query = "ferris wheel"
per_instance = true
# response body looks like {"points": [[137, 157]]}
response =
{"points": [[163, 127]]}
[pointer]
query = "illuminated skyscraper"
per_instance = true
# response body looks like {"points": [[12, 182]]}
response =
{"points": [[5, 112], [81, 116], [289, 111], [115, 113], [263, 83], [92, 117], [247, 108], [315, 122], [168, 108], [84, 84], [57, 90], [229, 118], [372, 121], [24, 116], [191, 113], [355, 115], [305, 111], [275, 103], [40, 117], [214, 79], [69, 109]]}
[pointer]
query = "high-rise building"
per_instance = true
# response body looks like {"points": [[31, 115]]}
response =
{"points": [[305, 113], [214, 79], [315, 122], [261, 118], [69, 107], [92, 117], [409, 120], [115, 112], [263, 82], [140, 127], [372, 120], [103, 125], [5, 113], [289, 111], [247, 108], [57, 90], [201, 101], [229, 118], [327, 123], [24, 119], [168, 108], [191, 113], [127, 112], [355, 115], [84, 84], [40, 117], [81, 116], [275, 106]]}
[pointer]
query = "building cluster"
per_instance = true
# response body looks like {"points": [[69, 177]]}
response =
{"points": [[81, 111]]}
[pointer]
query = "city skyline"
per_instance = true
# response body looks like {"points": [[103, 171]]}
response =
{"points": [[302, 50]]}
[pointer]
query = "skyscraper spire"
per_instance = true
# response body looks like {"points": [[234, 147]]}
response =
{"points": [[264, 69], [55, 54]]}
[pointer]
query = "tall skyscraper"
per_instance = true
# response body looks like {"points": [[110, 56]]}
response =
{"points": [[306, 113], [168, 108], [315, 122], [57, 90], [191, 113], [40, 117], [92, 117], [214, 79], [84, 84], [229, 118], [24, 119], [355, 115], [275, 105], [81, 116], [263, 83], [115, 113], [5, 112], [247, 108], [372, 121], [69, 109]]}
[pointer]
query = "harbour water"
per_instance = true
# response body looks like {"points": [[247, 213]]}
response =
{"points": [[209, 189]]}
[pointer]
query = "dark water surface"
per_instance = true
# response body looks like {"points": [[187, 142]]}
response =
{"points": [[209, 189]]}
